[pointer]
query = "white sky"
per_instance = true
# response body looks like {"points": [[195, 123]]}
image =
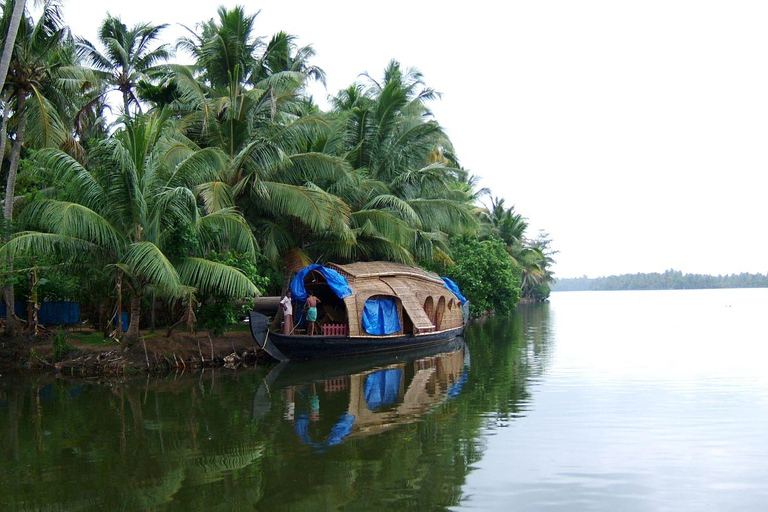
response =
{"points": [[633, 132]]}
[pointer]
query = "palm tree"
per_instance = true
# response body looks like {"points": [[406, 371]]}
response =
{"points": [[506, 223], [411, 192], [282, 55], [129, 57], [247, 102], [226, 50], [127, 210], [41, 73], [533, 257], [10, 34]]}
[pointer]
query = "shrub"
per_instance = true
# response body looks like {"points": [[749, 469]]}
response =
{"points": [[485, 273], [60, 345]]}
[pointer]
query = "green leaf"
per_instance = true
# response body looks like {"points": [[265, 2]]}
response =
{"points": [[216, 278]]}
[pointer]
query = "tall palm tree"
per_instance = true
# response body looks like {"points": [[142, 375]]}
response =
{"points": [[534, 257], [128, 210], [10, 34], [41, 73], [247, 102], [408, 177], [129, 57], [506, 223], [282, 54], [226, 50]]}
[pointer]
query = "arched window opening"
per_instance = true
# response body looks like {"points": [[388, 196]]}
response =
{"points": [[439, 313]]}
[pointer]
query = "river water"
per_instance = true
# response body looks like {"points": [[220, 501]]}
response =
{"points": [[647, 401]]}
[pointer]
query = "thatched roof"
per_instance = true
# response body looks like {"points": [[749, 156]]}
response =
{"points": [[367, 269]]}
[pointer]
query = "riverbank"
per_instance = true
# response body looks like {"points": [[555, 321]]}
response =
{"points": [[84, 353]]}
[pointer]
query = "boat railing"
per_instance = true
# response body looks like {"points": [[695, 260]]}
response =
{"points": [[335, 330]]}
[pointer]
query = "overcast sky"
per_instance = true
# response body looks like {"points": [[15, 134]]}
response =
{"points": [[634, 133]]}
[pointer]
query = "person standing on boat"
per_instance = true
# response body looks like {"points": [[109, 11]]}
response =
{"points": [[311, 312], [287, 313]]}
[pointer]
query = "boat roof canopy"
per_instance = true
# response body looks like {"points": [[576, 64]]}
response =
{"points": [[336, 282], [367, 269]]}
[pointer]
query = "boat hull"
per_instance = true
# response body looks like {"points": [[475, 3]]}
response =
{"points": [[289, 347]]}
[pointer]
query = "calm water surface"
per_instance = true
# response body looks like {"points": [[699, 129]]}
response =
{"points": [[596, 401]]}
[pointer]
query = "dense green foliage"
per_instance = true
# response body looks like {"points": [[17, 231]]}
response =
{"points": [[485, 273], [669, 280], [221, 179], [217, 311]]}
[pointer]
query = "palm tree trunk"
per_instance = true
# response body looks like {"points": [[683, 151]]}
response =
{"points": [[119, 320], [133, 326], [4, 126], [10, 189], [33, 319], [10, 39], [154, 303]]}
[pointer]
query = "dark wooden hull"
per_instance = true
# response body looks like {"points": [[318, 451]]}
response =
{"points": [[284, 347], [289, 373]]}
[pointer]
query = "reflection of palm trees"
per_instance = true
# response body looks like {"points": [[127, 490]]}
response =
{"points": [[196, 439]]}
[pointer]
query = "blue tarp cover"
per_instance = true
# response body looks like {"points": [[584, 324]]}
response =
{"points": [[455, 388], [382, 388], [380, 316], [59, 313], [339, 431], [336, 281], [50, 312], [454, 288], [18, 307]]}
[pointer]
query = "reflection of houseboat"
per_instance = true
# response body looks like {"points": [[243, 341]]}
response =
{"points": [[329, 405], [367, 308]]}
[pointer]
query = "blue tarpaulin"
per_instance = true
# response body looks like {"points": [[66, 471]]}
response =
{"points": [[50, 312], [382, 388], [339, 431], [336, 281], [380, 316], [455, 388], [18, 307], [454, 288], [59, 313]]}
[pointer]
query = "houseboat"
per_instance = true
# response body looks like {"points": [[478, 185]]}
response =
{"points": [[365, 308]]}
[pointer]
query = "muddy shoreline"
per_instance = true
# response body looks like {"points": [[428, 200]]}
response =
{"points": [[152, 353]]}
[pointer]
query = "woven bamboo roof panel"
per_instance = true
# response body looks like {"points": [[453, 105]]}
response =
{"points": [[372, 269]]}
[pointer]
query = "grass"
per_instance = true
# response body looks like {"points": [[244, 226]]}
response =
{"points": [[95, 339], [239, 327]]}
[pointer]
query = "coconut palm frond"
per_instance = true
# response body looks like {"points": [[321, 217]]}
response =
{"points": [[74, 220], [381, 248], [446, 216], [216, 195], [383, 224], [309, 205], [217, 278], [198, 167], [227, 228], [276, 238], [45, 127], [394, 204], [146, 260], [32, 243], [63, 169]]}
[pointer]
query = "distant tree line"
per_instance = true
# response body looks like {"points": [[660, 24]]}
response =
{"points": [[669, 280]]}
